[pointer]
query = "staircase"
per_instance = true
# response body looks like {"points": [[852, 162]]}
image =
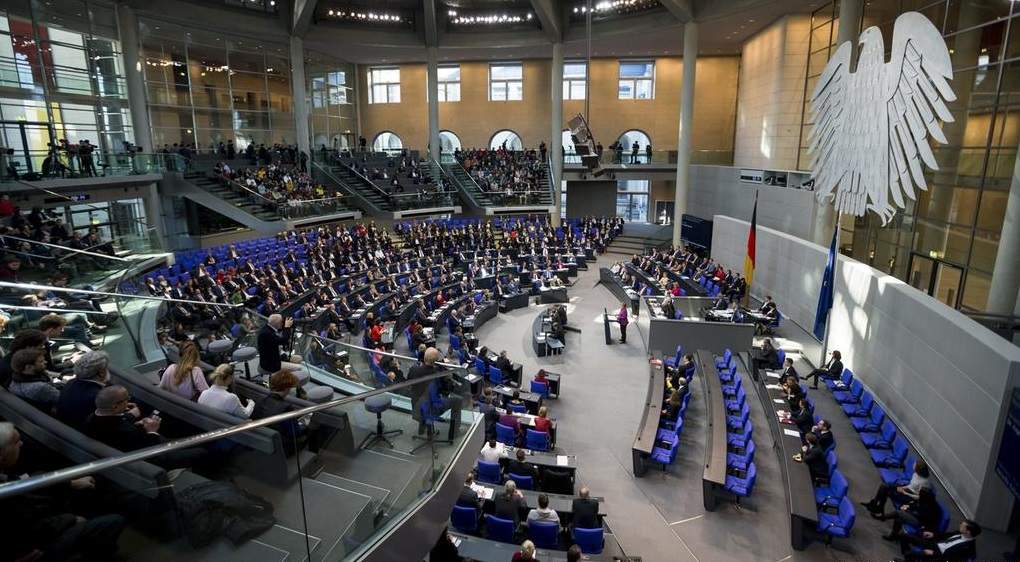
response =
{"points": [[356, 184], [241, 201], [476, 198], [349, 183], [636, 238]]}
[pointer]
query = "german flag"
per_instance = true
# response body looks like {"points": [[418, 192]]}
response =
{"points": [[751, 235]]}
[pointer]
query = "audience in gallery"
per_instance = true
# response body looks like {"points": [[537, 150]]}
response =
{"points": [[280, 184], [511, 175]]}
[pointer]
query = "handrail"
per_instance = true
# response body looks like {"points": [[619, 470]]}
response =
{"points": [[464, 188], [362, 176], [377, 352], [66, 248], [62, 475], [249, 190], [324, 169], [35, 287]]}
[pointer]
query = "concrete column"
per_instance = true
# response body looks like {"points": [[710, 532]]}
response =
{"points": [[556, 131], [127, 22], [297, 88], [1002, 296], [435, 147], [849, 30], [683, 145]]}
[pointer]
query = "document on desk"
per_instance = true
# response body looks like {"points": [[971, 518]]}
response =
{"points": [[562, 460], [773, 387], [482, 491], [456, 540], [791, 432], [471, 378], [772, 374], [779, 400]]}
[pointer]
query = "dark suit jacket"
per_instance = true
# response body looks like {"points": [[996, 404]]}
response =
{"points": [[268, 344], [508, 508], [586, 513], [468, 497], [814, 458], [958, 553], [120, 432], [825, 439], [523, 469], [836, 369], [77, 402]]}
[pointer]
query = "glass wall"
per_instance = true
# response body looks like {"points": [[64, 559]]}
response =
{"points": [[632, 200], [61, 77], [945, 242], [332, 114], [204, 89]]}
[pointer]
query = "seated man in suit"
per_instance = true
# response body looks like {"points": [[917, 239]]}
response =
{"points": [[586, 511], [468, 496], [823, 431], [832, 370], [78, 399], [519, 467], [953, 547], [113, 424], [768, 357], [814, 457]]}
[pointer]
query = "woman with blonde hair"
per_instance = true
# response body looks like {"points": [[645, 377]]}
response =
{"points": [[185, 377], [219, 397], [526, 553]]}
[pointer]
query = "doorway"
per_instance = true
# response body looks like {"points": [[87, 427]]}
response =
{"points": [[937, 278]]}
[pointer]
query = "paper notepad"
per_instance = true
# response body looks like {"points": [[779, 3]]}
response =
{"points": [[482, 491], [791, 432], [456, 541], [772, 375], [773, 387], [561, 460], [779, 400]]}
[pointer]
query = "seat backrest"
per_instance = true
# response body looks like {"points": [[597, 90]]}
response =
{"points": [[489, 472], [856, 389], [877, 415], [888, 431], [867, 402], [539, 387], [781, 356], [499, 529], [838, 484], [832, 460], [480, 366], [543, 533], [464, 518], [943, 519], [900, 448], [505, 434], [847, 514], [537, 440], [523, 482], [495, 375], [847, 377], [590, 541]]}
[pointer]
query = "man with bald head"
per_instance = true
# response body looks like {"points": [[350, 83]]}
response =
{"points": [[113, 423], [272, 336], [586, 510], [448, 390]]}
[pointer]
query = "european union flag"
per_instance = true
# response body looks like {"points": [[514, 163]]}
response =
{"points": [[825, 295]]}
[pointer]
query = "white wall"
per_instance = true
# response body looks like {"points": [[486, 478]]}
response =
{"points": [[773, 66], [943, 378], [717, 190]]}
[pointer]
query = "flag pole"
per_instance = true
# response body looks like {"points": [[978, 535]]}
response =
{"points": [[828, 319]]}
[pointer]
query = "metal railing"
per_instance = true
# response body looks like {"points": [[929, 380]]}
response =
{"points": [[325, 170]]}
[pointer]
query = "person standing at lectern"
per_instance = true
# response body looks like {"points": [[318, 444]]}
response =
{"points": [[621, 318]]}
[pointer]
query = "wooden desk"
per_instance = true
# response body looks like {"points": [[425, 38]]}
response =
{"points": [[800, 491], [713, 478], [644, 442]]}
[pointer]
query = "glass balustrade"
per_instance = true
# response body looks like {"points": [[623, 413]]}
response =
{"points": [[205, 484]]}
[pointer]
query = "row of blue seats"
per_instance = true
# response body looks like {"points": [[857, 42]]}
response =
{"points": [[667, 440], [543, 533], [741, 472], [888, 450]]}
